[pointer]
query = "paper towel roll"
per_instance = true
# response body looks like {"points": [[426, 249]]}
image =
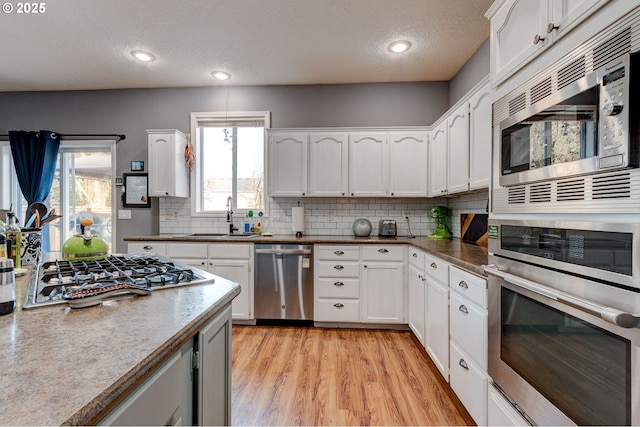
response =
{"points": [[297, 216]]}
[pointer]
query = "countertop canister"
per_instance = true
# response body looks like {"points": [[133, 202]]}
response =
{"points": [[7, 286]]}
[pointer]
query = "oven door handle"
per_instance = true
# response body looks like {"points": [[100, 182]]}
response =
{"points": [[610, 314]]}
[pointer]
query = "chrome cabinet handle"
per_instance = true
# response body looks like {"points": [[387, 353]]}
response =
{"points": [[415, 255], [537, 39], [463, 309], [463, 284], [147, 248], [338, 284], [338, 305], [420, 276], [552, 27], [338, 253], [463, 364], [383, 251], [338, 267], [434, 265]]}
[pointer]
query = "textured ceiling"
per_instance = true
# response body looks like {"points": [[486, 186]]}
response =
{"points": [[86, 44]]}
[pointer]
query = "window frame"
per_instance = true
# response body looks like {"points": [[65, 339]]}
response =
{"points": [[196, 181]]}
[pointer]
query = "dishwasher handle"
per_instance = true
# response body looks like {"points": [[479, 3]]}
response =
{"points": [[284, 251]]}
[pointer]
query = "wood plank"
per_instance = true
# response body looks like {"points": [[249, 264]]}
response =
{"points": [[315, 376]]}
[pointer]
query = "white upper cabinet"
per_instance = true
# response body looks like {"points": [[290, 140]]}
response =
{"points": [[328, 164], [458, 146], [438, 161], [480, 138], [368, 164], [168, 174], [521, 29], [408, 164], [287, 164]]}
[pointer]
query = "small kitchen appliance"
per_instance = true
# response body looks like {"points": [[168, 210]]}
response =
{"points": [[439, 213], [387, 228], [85, 246], [361, 227]]}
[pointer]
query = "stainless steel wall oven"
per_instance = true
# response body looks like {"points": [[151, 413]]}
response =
{"points": [[564, 321]]}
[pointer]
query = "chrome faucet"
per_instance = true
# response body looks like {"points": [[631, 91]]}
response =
{"points": [[230, 215]]}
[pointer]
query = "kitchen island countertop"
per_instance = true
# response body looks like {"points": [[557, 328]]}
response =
{"points": [[455, 251], [71, 366]]}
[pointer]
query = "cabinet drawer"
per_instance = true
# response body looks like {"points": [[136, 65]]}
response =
{"points": [[148, 247], [436, 268], [230, 251], [187, 250], [350, 253], [338, 310], [471, 286], [416, 258], [468, 327], [338, 269], [383, 252], [339, 288], [469, 383]]}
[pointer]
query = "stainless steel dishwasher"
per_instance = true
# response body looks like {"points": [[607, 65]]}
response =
{"points": [[283, 280]]}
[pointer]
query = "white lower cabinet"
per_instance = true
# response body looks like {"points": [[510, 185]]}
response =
{"points": [[232, 261], [193, 387], [382, 290], [468, 325], [157, 248], [416, 294], [337, 283], [437, 331], [500, 412]]}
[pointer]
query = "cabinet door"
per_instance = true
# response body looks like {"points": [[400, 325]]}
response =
{"points": [[368, 164], [238, 271], [382, 292], [480, 138], [514, 27], [168, 175], [416, 302], [214, 372], [328, 164], [287, 164], [165, 398], [408, 164], [458, 150], [469, 382], [567, 14], [437, 331], [438, 161]]}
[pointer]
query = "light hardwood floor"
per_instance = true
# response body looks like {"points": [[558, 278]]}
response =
{"points": [[314, 376]]}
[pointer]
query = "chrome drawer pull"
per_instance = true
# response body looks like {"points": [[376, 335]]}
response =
{"points": [[147, 248], [463, 364], [338, 305], [338, 267], [383, 251], [338, 284], [415, 255], [463, 309], [338, 253], [463, 284], [434, 265]]}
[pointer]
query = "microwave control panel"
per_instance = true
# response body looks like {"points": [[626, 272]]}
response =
{"points": [[614, 115]]}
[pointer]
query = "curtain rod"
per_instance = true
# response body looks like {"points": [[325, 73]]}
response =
{"points": [[79, 136]]}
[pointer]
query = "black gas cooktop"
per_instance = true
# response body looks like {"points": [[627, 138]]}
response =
{"points": [[55, 279]]}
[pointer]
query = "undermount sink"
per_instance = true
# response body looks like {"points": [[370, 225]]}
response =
{"points": [[220, 235]]}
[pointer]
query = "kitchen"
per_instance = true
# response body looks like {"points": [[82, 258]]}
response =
{"points": [[133, 111]]}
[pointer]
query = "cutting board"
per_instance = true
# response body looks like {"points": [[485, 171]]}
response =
{"points": [[473, 228]]}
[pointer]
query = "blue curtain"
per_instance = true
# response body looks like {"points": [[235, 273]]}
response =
{"points": [[34, 156]]}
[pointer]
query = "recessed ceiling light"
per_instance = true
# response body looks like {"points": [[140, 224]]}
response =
{"points": [[221, 75], [143, 56], [400, 46]]}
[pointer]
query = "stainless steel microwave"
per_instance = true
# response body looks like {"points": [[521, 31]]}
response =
{"points": [[591, 125]]}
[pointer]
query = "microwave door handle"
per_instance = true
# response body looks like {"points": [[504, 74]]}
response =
{"points": [[609, 314]]}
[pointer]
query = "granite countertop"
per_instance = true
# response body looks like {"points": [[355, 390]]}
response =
{"points": [[466, 255], [71, 366]]}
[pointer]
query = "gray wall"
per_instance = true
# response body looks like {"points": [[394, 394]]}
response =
{"points": [[470, 74], [131, 111]]}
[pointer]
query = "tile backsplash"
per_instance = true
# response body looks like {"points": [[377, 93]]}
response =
{"points": [[329, 216]]}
